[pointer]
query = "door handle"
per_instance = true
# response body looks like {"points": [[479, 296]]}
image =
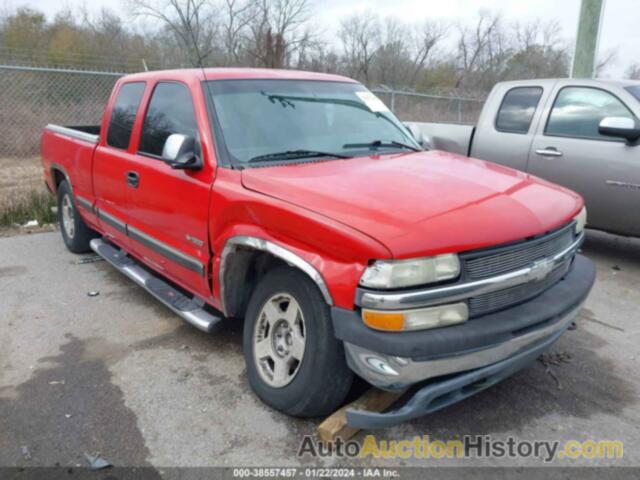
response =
{"points": [[133, 179], [549, 152]]}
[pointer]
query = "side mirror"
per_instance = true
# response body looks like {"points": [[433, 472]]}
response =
{"points": [[418, 136], [180, 152], [621, 127]]}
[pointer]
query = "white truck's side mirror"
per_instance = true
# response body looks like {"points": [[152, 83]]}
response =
{"points": [[622, 127]]}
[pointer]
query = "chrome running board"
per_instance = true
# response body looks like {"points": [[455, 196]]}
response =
{"points": [[192, 310]]}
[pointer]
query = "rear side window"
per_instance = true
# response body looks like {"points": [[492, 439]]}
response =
{"points": [[124, 114], [577, 112], [170, 111], [517, 109]]}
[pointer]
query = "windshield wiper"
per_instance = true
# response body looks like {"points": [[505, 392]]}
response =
{"points": [[380, 143], [293, 154]]}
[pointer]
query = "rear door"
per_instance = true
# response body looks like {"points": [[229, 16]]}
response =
{"points": [[111, 162], [169, 209], [568, 150]]}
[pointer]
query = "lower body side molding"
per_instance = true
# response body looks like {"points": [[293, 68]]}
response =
{"points": [[192, 310]]}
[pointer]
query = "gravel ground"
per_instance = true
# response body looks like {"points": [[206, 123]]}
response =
{"points": [[121, 375]]}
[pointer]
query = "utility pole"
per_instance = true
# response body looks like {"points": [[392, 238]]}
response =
{"points": [[584, 56]]}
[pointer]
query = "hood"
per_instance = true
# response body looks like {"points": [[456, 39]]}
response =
{"points": [[423, 203]]}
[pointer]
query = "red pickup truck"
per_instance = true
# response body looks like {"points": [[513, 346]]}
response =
{"points": [[298, 203]]}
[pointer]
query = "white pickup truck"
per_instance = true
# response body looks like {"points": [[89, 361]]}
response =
{"points": [[583, 134]]}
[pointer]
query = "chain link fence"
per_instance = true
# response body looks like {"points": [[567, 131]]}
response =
{"points": [[30, 57], [424, 107], [31, 97]]}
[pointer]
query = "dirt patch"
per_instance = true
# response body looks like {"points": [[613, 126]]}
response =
{"points": [[18, 177], [12, 271], [13, 231], [24, 197]]}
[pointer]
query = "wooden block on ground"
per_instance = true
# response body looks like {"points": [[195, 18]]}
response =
{"points": [[336, 426]]}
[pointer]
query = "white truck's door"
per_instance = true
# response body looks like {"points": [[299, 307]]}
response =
{"points": [[567, 149]]}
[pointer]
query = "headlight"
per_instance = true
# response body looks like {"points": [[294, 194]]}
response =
{"points": [[581, 220], [406, 273], [419, 319]]}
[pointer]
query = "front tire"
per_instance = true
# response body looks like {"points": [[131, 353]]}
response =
{"points": [[75, 233], [294, 362]]}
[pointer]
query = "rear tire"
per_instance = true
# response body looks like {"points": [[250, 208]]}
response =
{"points": [[75, 233], [288, 322]]}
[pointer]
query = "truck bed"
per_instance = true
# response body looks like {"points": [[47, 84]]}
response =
{"points": [[87, 133], [66, 149], [449, 137]]}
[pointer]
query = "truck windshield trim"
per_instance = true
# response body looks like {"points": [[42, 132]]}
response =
{"points": [[261, 117]]}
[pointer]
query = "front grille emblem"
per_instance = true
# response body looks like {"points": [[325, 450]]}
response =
{"points": [[540, 269]]}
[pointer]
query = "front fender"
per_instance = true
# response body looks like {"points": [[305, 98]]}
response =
{"points": [[332, 254]]}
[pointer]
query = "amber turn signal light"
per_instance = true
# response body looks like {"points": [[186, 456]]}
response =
{"points": [[383, 320]]}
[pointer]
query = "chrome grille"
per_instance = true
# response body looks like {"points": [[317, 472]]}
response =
{"points": [[497, 261], [490, 302], [491, 279], [508, 258]]}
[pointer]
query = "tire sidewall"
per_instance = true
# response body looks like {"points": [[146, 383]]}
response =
{"points": [[65, 191], [318, 334], [82, 233]]}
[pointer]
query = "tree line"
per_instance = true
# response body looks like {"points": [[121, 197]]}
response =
{"points": [[377, 50]]}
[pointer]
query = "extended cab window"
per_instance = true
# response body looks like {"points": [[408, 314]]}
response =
{"points": [[517, 109], [170, 111], [124, 114], [577, 112]]}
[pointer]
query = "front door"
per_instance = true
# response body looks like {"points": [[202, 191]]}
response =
{"points": [[568, 150], [111, 163], [169, 209]]}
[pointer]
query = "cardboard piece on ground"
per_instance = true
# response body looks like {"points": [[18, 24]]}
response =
{"points": [[335, 425]]}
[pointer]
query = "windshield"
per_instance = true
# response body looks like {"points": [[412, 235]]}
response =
{"points": [[276, 120], [635, 91]]}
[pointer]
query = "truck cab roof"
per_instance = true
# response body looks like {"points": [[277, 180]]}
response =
{"points": [[595, 82], [236, 73]]}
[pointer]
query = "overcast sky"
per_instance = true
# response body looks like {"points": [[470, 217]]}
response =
{"points": [[620, 30]]}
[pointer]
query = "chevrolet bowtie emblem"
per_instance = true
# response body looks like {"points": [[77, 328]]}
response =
{"points": [[540, 269]]}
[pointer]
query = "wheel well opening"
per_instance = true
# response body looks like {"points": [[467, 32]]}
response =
{"points": [[58, 177], [244, 267]]}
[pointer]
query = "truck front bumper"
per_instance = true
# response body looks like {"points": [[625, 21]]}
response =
{"points": [[455, 362]]}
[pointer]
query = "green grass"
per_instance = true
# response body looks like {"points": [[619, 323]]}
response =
{"points": [[34, 205]]}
